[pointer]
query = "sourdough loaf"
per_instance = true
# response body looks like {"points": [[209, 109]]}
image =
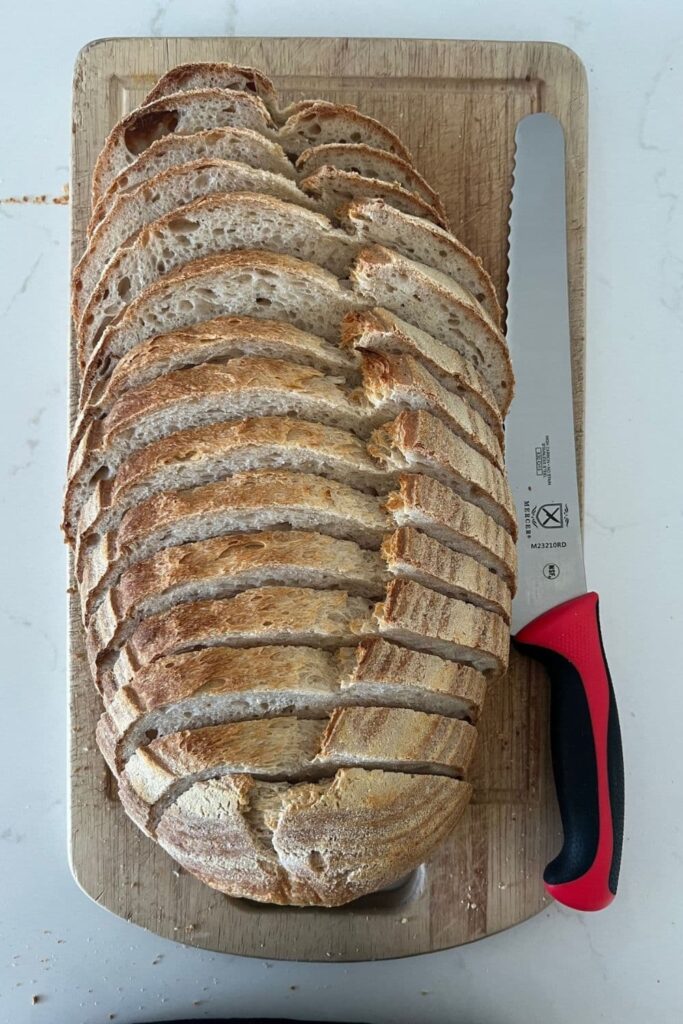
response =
{"points": [[294, 540]]}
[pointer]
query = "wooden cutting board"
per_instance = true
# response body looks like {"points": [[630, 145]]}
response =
{"points": [[455, 104]]}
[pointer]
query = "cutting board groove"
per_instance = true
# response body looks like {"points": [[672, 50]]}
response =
{"points": [[455, 104]]}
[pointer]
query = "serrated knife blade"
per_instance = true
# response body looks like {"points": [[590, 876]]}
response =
{"points": [[554, 618]]}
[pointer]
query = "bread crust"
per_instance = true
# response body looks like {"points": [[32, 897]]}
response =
{"points": [[321, 842], [378, 330]]}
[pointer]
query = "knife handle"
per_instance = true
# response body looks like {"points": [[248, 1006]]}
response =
{"points": [[586, 750]]}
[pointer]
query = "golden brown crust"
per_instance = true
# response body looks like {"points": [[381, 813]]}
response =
{"points": [[403, 382], [418, 440], [378, 330], [426, 620], [219, 450], [278, 748], [221, 566], [425, 502], [111, 345], [409, 552], [292, 615], [230, 684]]}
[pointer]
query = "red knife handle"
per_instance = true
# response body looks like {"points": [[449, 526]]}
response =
{"points": [[586, 750]]}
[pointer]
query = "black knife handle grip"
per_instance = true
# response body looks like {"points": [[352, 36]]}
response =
{"points": [[586, 750]]}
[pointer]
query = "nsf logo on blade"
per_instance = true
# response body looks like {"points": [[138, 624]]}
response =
{"points": [[553, 515]]}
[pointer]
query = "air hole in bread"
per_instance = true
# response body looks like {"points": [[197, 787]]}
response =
{"points": [[355, 137], [229, 109], [316, 862], [147, 128], [123, 288], [152, 734], [263, 301], [103, 473], [183, 224]]}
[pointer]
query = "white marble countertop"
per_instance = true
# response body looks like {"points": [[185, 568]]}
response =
{"points": [[84, 965]]}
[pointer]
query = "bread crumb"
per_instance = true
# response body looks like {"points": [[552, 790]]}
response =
{"points": [[35, 999], [293, 988], [404, 920]]}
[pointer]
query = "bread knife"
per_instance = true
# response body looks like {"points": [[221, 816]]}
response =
{"points": [[555, 620]]}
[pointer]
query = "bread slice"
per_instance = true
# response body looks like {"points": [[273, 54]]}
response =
{"points": [[387, 738], [240, 144], [323, 843], [369, 162], [375, 222], [264, 615], [169, 193], [394, 383], [258, 500], [410, 554], [436, 303], [250, 283], [211, 75], [419, 442], [321, 123], [226, 684], [378, 330], [182, 113], [224, 566], [437, 511], [248, 386], [203, 455], [424, 620], [333, 189], [206, 227]]}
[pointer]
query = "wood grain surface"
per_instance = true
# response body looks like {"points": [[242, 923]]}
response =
{"points": [[455, 104]]}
